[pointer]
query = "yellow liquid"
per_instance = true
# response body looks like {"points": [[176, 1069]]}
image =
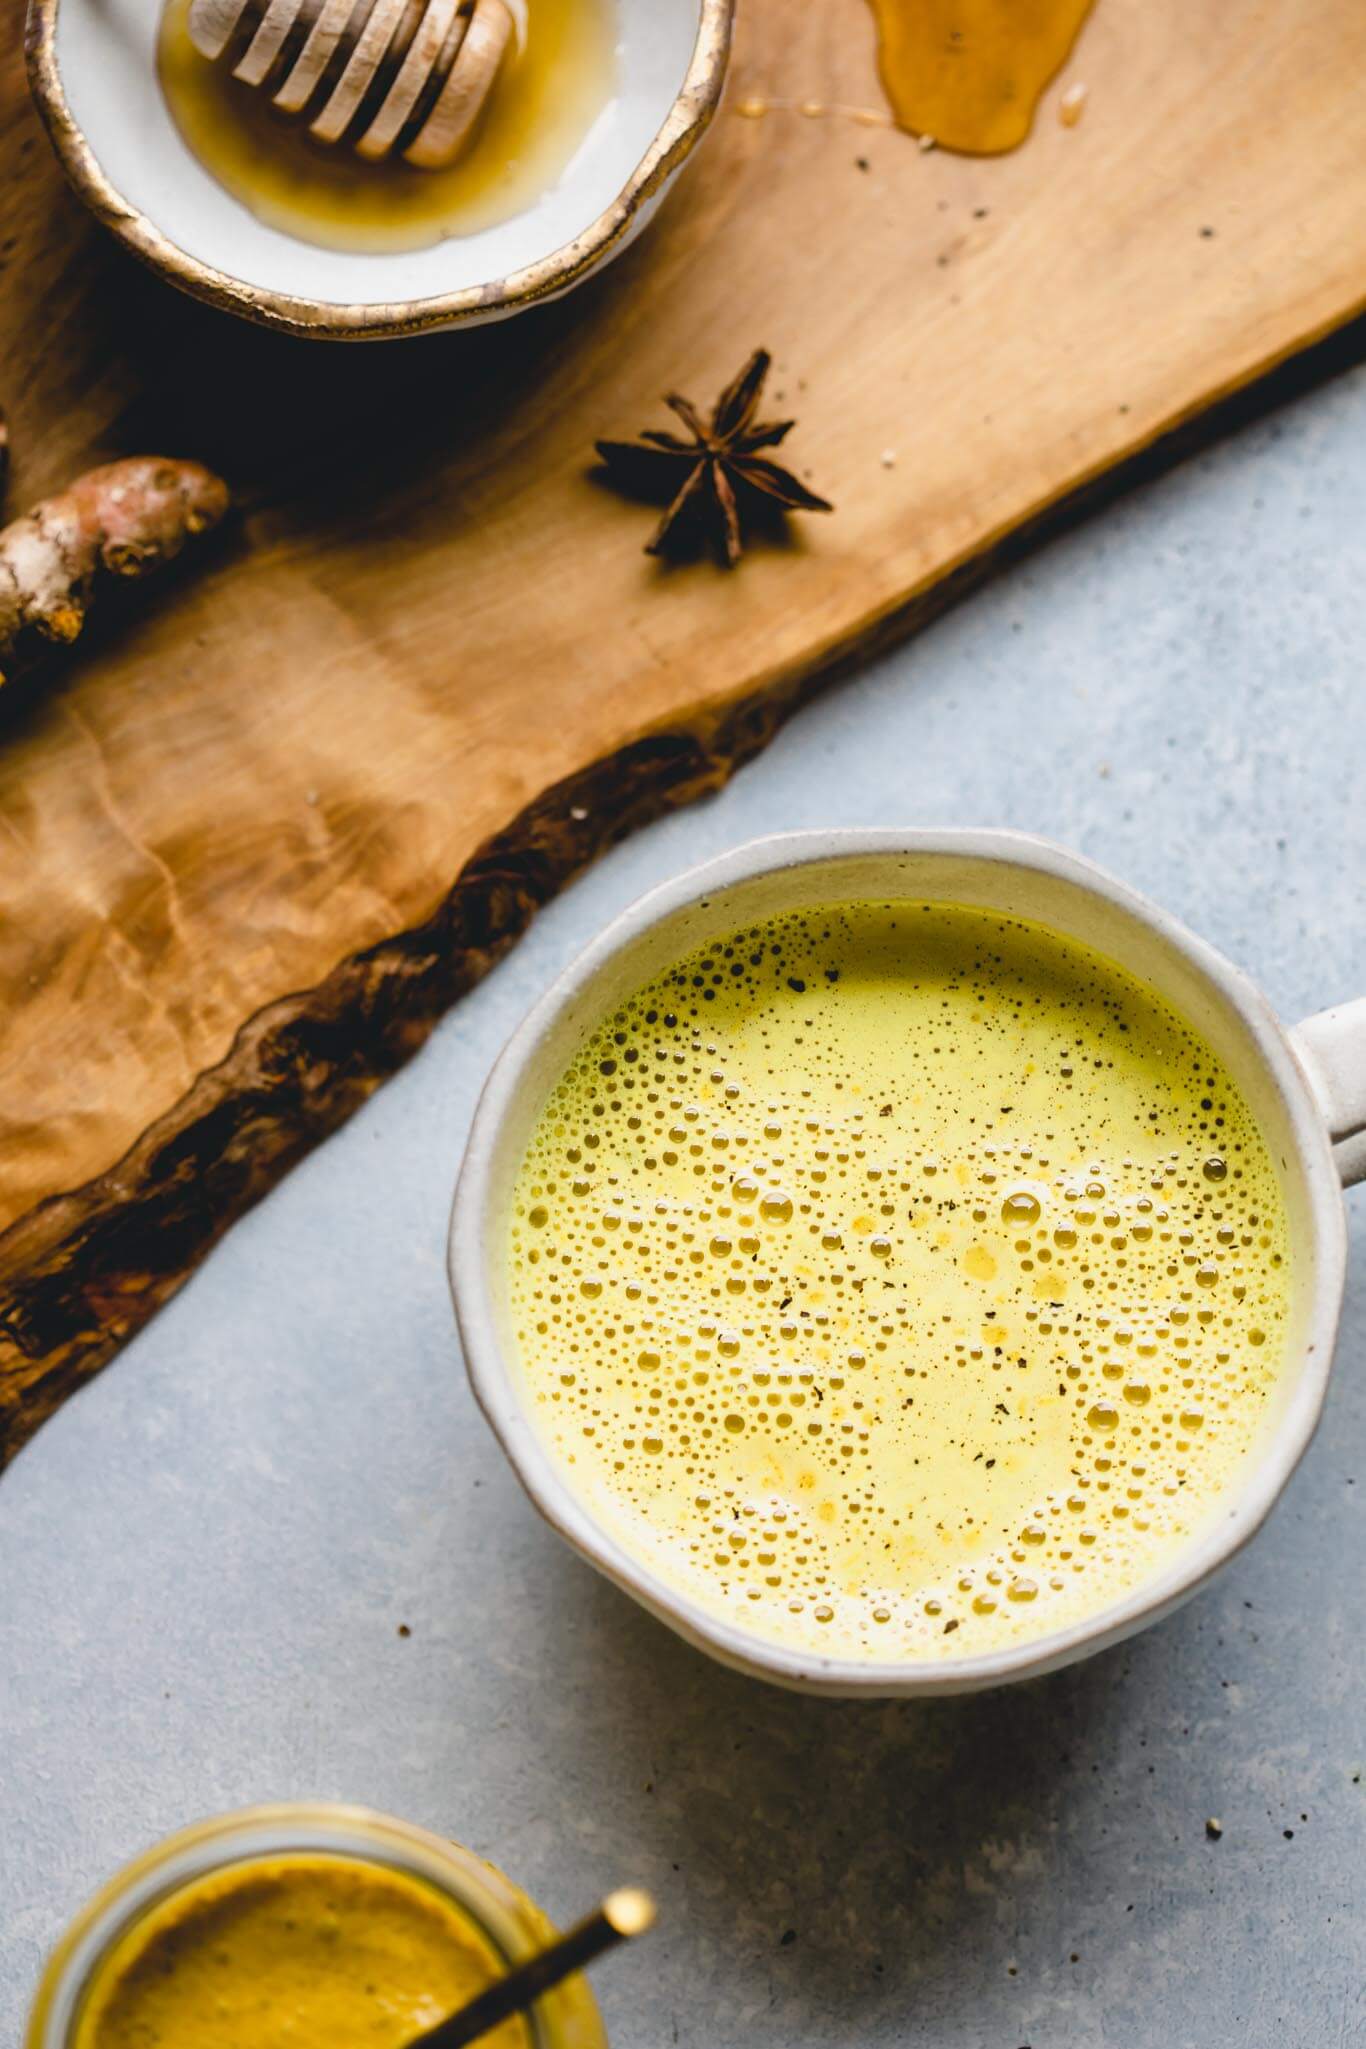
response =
{"points": [[546, 98], [899, 1280], [321, 1952], [970, 73]]}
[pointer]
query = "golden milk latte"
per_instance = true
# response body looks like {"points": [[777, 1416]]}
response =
{"points": [[899, 1280]]}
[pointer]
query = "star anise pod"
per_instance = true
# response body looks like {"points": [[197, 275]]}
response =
{"points": [[719, 474]]}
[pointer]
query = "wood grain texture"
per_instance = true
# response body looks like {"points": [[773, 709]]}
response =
{"points": [[252, 846]]}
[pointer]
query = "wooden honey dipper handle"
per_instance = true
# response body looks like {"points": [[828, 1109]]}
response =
{"points": [[390, 77]]}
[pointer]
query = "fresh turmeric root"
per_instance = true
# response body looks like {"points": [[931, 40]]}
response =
{"points": [[124, 520]]}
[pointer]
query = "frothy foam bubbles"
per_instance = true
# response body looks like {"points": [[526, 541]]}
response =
{"points": [[899, 1280]]}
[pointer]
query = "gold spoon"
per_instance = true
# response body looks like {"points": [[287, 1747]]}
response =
{"points": [[622, 1914], [391, 77]]}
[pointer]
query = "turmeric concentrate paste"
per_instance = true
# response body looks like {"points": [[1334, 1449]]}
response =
{"points": [[307, 1951]]}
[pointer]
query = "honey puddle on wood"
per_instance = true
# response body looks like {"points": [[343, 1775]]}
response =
{"points": [[550, 93], [970, 73]]}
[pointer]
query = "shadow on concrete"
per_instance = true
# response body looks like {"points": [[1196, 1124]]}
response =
{"points": [[865, 1847]]}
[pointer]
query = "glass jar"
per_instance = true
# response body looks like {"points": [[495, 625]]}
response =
{"points": [[564, 2018]]}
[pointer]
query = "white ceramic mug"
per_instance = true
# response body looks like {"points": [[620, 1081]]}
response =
{"points": [[1306, 1087]]}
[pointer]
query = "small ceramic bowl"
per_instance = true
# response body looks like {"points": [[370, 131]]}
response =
{"points": [[93, 70]]}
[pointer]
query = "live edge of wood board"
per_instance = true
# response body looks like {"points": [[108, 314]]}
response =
{"points": [[257, 841]]}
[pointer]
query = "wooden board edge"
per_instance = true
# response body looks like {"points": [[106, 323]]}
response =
{"points": [[83, 1271]]}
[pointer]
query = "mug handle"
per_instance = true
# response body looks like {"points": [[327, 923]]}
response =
{"points": [[1331, 1048]]}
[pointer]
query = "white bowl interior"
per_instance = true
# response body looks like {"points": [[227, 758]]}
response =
{"points": [[1223, 1006], [106, 53]]}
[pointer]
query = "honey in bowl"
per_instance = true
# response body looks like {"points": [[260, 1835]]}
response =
{"points": [[557, 81], [899, 1281]]}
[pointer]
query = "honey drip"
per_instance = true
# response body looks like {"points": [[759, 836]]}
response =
{"points": [[546, 99], [970, 73]]}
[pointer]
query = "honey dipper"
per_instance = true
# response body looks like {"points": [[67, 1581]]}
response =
{"points": [[391, 77]]}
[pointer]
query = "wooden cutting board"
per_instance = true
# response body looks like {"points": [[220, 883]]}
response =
{"points": [[255, 842]]}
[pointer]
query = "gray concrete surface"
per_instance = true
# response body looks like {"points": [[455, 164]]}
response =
{"points": [[205, 1560]]}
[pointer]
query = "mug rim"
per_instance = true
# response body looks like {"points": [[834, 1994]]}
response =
{"points": [[490, 1368]]}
